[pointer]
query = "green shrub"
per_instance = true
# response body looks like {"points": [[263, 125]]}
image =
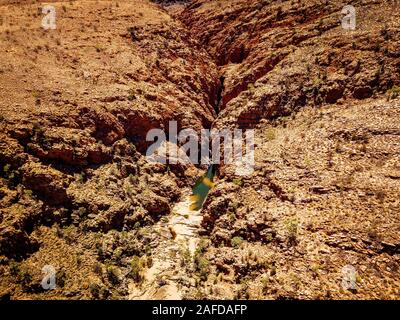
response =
{"points": [[186, 257], [70, 233], [136, 226], [202, 267], [236, 241], [28, 193], [81, 211], [233, 206], [269, 237], [24, 278], [61, 278], [136, 269], [98, 291], [271, 135], [113, 274], [292, 230], [6, 169], [131, 95], [201, 247], [14, 268], [117, 253], [149, 262], [393, 93], [265, 281], [238, 181]]}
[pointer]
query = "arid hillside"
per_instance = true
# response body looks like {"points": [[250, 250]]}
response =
{"points": [[325, 193], [77, 104], [78, 194]]}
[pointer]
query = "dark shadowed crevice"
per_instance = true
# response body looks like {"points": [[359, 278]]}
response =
{"points": [[220, 92]]}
